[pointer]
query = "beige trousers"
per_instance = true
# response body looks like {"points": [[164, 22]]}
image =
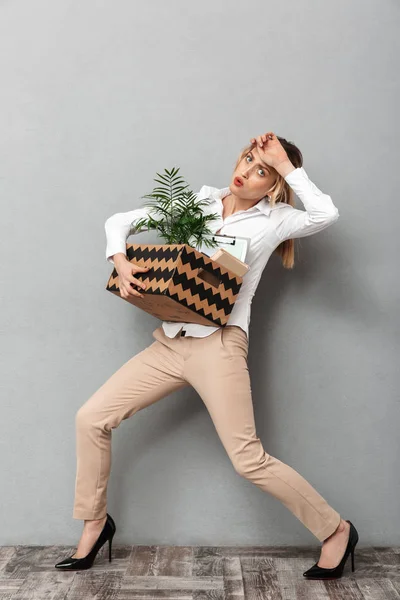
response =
{"points": [[216, 367]]}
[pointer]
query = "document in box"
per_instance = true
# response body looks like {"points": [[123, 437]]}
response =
{"points": [[235, 245]]}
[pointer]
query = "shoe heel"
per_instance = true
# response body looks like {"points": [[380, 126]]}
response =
{"points": [[86, 562], [316, 572], [352, 560], [109, 548]]}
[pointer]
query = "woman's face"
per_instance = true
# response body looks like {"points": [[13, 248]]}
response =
{"points": [[257, 177]]}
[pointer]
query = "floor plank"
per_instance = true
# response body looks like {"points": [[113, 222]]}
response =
{"points": [[195, 573]]}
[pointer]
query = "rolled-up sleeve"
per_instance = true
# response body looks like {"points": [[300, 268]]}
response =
{"points": [[319, 213], [119, 227]]}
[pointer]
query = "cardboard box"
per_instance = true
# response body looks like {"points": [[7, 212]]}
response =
{"points": [[226, 259], [183, 284]]}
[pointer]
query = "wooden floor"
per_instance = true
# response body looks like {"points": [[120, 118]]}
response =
{"points": [[183, 572]]}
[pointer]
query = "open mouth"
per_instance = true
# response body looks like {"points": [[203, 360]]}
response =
{"points": [[238, 181]]}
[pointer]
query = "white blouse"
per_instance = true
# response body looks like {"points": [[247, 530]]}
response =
{"points": [[266, 227]]}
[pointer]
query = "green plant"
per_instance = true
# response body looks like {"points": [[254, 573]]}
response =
{"points": [[182, 220]]}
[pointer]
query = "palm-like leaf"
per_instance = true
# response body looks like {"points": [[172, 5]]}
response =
{"points": [[180, 218]]}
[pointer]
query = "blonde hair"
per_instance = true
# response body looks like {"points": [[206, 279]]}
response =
{"points": [[282, 192]]}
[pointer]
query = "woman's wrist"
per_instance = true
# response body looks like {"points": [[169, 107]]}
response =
{"points": [[119, 257], [284, 168]]}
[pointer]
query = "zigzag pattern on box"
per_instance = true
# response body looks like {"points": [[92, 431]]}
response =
{"points": [[187, 277], [184, 290], [198, 261], [168, 252], [205, 311], [160, 278], [173, 272], [202, 295], [174, 253]]}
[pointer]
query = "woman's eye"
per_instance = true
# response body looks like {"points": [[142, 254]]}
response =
{"points": [[262, 170]]}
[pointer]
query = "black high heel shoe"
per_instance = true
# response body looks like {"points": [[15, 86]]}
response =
{"points": [[85, 562], [316, 572]]}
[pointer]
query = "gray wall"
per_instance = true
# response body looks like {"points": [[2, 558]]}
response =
{"points": [[97, 97]]}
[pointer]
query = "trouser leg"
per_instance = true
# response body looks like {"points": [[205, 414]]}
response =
{"points": [[218, 371], [147, 377]]}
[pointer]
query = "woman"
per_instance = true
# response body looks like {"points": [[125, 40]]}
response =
{"points": [[257, 204]]}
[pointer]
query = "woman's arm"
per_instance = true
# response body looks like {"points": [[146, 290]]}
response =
{"points": [[320, 210], [119, 227]]}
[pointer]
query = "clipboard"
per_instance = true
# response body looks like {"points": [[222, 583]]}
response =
{"points": [[235, 245]]}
